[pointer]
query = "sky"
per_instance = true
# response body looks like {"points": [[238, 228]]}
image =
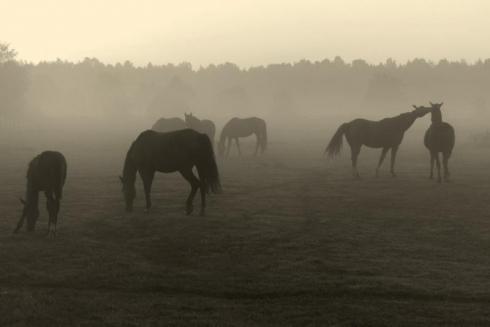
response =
{"points": [[246, 32]]}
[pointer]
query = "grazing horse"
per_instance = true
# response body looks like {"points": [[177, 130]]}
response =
{"points": [[47, 173], [238, 127], [204, 126], [439, 137], [169, 152], [386, 134], [164, 125]]}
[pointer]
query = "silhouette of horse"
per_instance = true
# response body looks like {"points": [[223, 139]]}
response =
{"points": [[169, 152], [164, 125], [439, 137], [243, 127], [386, 134], [204, 126], [47, 173]]}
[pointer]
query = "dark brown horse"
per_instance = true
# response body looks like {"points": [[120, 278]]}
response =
{"points": [[204, 126], [385, 134], [237, 128], [439, 138], [46, 173], [170, 152], [164, 125]]}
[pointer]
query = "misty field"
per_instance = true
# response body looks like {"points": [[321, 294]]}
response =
{"points": [[293, 240]]}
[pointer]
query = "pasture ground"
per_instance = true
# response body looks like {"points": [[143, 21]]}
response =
{"points": [[292, 241]]}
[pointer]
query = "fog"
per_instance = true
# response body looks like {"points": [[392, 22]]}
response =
{"points": [[247, 33], [89, 100]]}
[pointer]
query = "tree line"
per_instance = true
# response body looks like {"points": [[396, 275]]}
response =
{"points": [[91, 89]]}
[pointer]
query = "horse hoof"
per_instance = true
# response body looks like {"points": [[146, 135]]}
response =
{"points": [[189, 210]]}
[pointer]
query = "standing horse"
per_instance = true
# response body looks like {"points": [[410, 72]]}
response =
{"points": [[169, 152], [386, 134], [47, 173], [204, 126], [238, 127], [164, 125], [439, 137]]}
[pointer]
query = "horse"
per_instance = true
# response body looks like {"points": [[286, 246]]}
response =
{"points": [[170, 152], [243, 127], [204, 126], [439, 137], [47, 173], [385, 134], [164, 125]]}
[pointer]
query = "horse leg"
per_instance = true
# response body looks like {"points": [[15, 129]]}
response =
{"points": [[381, 159], [202, 188], [195, 184], [228, 147], [445, 160], [147, 177], [438, 165], [19, 224], [238, 146], [432, 160], [257, 145], [51, 206], [355, 150], [394, 150]]}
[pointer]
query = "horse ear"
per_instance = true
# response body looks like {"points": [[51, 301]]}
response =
{"points": [[22, 201], [122, 179], [431, 103], [414, 106], [441, 104]]}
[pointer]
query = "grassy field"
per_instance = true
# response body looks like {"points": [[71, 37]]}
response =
{"points": [[293, 240]]}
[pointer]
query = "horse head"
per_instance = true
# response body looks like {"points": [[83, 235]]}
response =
{"points": [[30, 211], [436, 114], [421, 111]]}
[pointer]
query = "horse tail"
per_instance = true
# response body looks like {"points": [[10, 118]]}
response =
{"points": [[335, 144], [61, 177], [264, 136], [207, 167], [212, 132]]}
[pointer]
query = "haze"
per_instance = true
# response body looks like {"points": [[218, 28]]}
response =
{"points": [[246, 32]]}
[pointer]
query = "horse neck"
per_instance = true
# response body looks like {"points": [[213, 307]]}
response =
{"points": [[436, 117], [194, 122], [224, 134], [406, 120], [129, 170]]}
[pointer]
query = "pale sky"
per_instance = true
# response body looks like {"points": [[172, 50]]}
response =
{"points": [[246, 32]]}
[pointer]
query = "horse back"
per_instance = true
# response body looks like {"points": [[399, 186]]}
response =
{"points": [[169, 125], [243, 127], [375, 134], [47, 172], [166, 152]]}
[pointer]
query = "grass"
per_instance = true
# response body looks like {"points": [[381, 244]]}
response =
{"points": [[293, 241]]}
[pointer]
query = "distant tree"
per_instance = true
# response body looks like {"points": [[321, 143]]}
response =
{"points": [[6, 53]]}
